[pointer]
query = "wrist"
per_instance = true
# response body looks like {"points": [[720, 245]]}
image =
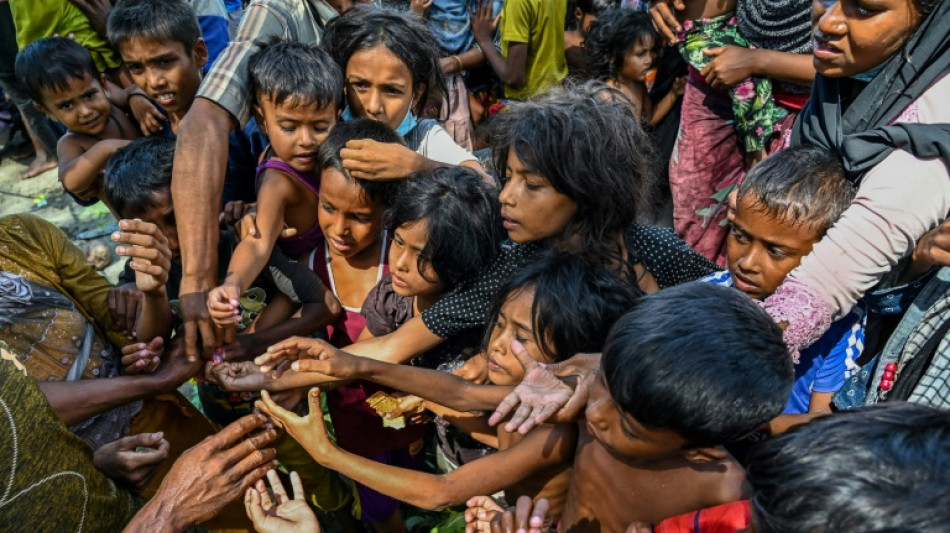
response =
{"points": [[759, 62]]}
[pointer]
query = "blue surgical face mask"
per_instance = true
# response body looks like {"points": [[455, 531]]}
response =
{"points": [[408, 122]]}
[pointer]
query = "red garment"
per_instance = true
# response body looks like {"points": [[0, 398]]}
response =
{"points": [[726, 518], [359, 429]]}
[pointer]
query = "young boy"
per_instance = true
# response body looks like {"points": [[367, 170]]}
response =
{"points": [[784, 206], [162, 48], [670, 395], [59, 75]]}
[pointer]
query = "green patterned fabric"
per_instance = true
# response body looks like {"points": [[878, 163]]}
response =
{"points": [[757, 115]]}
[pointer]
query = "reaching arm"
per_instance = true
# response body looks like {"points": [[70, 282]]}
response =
{"points": [[510, 69], [544, 447], [410, 340]]}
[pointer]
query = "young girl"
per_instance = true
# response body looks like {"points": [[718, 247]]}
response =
{"points": [[568, 187], [391, 69], [297, 88], [553, 307], [621, 49]]}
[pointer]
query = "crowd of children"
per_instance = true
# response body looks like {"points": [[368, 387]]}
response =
{"points": [[411, 251]]}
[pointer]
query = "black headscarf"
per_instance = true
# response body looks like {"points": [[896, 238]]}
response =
{"points": [[862, 136]]}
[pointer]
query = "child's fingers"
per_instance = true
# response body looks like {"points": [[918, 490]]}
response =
{"points": [[269, 406], [297, 486], [252, 505], [280, 495]]}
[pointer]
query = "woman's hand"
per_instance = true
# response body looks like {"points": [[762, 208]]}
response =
{"points": [[296, 348], [151, 257], [142, 358], [310, 431], [371, 160], [283, 515], [132, 460], [729, 66]]}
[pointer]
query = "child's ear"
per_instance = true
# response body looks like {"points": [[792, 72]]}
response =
{"points": [[259, 118], [42, 109], [578, 14], [709, 454], [200, 52], [104, 81]]}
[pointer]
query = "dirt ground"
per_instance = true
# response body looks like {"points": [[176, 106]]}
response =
{"points": [[29, 196]]}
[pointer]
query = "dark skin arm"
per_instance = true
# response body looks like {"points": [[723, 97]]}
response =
{"points": [[732, 64], [547, 446], [511, 69], [75, 401], [446, 389], [470, 59], [80, 170], [201, 157]]}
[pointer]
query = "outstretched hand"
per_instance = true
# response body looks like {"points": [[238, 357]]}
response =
{"points": [[141, 357], [484, 515], [541, 394], [310, 431], [483, 23], [308, 355], [132, 460], [283, 514], [148, 248]]}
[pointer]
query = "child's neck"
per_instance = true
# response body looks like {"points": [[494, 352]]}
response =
{"points": [[637, 90], [422, 302], [364, 259]]}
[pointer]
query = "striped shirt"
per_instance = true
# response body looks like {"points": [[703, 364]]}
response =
{"points": [[227, 83]]}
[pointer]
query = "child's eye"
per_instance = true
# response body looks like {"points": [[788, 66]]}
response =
{"points": [[532, 186], [738, 235], [66, 106], [327, 207], [287, 129], [777, 252]]}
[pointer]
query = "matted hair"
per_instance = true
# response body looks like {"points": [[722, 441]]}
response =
{"points": [[295, 73], [155, 20]]}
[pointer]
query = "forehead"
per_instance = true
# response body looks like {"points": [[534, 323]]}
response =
{"points": [[141, 48], [161, 208], [289, 109], [518, 304], [759, 223], [342, 192], [378, 65], [74, 87], [415, 233]]}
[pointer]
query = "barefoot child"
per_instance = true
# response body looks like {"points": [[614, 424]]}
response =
{"points": [[298, 90], [621, 49], [784, 206], [61, 78], [553, 307]]}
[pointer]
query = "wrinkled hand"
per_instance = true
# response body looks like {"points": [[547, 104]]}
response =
{"points": [[932, 249], [132, 460], [372, 160], [484, 515], [730, 66], [142, 358], [193, 305], [97, 11], [483, 24], [217, 471], [664, 18], [239, 376], [176, 368], [242, 348], [309, 431], [151, 257], [149, 118], [125, 302], [420, 7], [283, 515], [541, 393]]}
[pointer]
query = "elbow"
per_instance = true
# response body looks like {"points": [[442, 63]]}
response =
{"points": [[514, 80], [334, 308]]}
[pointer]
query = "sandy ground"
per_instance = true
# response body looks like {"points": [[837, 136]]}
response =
{"points": [[23, 196]]}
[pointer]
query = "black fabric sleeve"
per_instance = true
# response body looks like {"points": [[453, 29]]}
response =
{"points": [[668, 258]]}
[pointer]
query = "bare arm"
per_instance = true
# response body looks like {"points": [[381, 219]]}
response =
{"points": [[201, 155], [510, 70], [410, 340], [783, 66], [81, 171]]}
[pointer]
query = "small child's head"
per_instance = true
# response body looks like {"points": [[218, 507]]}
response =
{"points": [[351, 209], [688, 369], [556, 307], [446, 226], [622, 45], [880, 468], [783, 207], [138, 180], [565, 181], [588, 11], [390, 63], [298, 89], [61, 78], [161, 45]]}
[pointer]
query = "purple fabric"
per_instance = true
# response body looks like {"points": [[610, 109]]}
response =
{"points": [[377, 507], [303, 243]]}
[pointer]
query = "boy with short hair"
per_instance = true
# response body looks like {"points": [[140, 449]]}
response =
{"points": [[670, 395], [162, 47], [784, 206], [59, 75]]}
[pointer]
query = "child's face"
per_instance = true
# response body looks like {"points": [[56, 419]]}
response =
{"points": [[622, 435], [514, 323], [296, 132], [638, 61], [854, 36], [408, 242], [82, 107], [165, 71], [350, 221], [379, 86], [162, 214], [531, 207], [763, 250]]}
